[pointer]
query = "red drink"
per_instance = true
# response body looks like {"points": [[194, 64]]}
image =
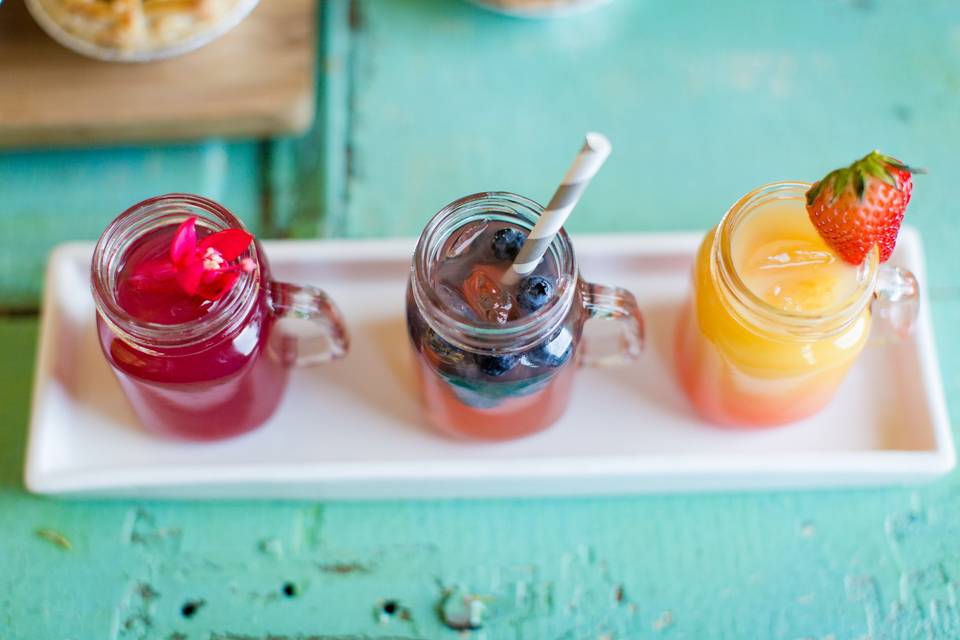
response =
{"points": [[190, 367]]}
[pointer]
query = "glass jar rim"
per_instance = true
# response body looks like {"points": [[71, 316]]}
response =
{"points": [[752, 307], [512, 336], [224, 317]]}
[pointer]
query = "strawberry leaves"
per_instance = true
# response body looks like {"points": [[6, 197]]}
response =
{"points": [[860, 207], [873, 165]]}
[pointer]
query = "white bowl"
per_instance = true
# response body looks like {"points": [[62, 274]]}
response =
{"points": [[111, 54]]}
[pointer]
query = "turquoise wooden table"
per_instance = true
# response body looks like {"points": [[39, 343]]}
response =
{"points": [[426, 100]]}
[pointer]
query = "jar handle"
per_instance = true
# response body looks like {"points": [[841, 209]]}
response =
{"points": [[896, 300], [613, 303], [321, 334]]}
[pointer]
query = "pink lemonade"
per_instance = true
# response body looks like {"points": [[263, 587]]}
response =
{"points": [[497, 361], [510, 418], [506, 391], [224, 386]]}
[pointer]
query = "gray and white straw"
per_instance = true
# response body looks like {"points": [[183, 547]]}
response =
{"points": [[596, 149]]}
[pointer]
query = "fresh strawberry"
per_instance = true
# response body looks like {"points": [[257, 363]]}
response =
{"points": [[861, 206]]}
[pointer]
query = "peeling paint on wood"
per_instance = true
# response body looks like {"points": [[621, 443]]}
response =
{"points": [[55, 538]]}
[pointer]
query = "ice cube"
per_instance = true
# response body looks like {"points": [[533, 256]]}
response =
{"points": [[483, 292], [455, 302], [462, 238]]}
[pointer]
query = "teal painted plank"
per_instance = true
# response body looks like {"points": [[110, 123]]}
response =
{"points": [[845, 564], [703, 101], [55, 196], [335, 111], [298, 191]]}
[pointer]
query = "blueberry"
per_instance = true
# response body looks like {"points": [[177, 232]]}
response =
{"points": [[445, 351], [495, 365], [534, 292], [551, 353], [507, 242]]}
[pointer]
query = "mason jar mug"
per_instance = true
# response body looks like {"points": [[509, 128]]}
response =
{"points": [[775, 352], [195, 368], [488, 377]]}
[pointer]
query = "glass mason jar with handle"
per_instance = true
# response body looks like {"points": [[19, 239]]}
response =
{"points": [[776, 319], [196, 368], [488, 377]]}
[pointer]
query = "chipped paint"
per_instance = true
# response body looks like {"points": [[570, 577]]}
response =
{"points": [[663, 621], [142, 530], [461, 610], [272, 547], [343, 568], [54, 537], [134, 616]]}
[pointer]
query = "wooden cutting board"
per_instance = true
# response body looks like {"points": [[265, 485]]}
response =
{"points": [[257, 80]]}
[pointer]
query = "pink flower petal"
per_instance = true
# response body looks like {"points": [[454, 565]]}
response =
{"points": [[184, 245], [215, 289], [189, 275], [231, 243], [208, 276]]}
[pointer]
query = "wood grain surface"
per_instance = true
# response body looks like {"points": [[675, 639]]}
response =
{"points": [[256, 80]]}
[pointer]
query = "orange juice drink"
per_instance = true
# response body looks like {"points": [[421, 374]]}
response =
{"points": [[776, 317]]}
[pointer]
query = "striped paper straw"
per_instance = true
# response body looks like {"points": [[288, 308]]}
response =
{"points": [[596, 149]]}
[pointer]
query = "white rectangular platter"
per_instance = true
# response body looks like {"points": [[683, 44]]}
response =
{"points": [[354, 430]]}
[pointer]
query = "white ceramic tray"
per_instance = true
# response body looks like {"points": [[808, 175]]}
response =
{"points": [[354, 429]]}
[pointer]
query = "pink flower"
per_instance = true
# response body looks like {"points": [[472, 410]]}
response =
{"points": [[206, 268]]}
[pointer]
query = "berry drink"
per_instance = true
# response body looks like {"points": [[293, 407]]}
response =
{"points": [[494, 395], [494, 361]]}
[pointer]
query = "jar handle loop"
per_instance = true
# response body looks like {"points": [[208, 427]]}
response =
{"points": [[896, 300], [613, 303], [311, 329]]}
